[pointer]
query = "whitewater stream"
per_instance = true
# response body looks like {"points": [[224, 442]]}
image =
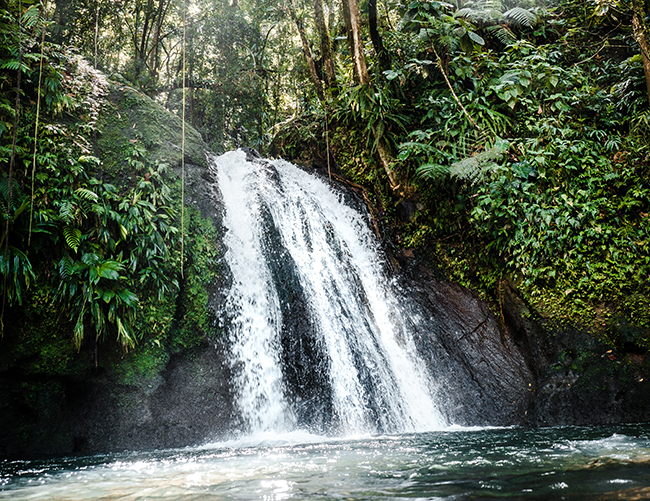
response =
{"points": [[333, 398]]}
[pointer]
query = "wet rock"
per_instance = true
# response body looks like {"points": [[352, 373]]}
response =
{"points": [[190, 402], [578, 379], [482, 374]]}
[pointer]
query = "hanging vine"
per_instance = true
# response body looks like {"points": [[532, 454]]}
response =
{"points": [[183, 142], [38, 113]]}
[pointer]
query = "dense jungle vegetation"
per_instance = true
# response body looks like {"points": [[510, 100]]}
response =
{"points": [[507, 141]]}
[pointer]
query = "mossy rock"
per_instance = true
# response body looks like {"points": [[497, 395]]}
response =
{"points": [[130, 120]]}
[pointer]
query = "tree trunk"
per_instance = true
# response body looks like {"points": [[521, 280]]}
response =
{"points": [[325, 43], [641, 34], [377, 43], [353, 24], [307, 53], [385, 158]]}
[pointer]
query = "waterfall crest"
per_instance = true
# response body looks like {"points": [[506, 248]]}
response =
{"points": [[296, 250]]}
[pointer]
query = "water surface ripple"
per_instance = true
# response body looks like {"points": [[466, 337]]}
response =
{"points": [[557, 463]]}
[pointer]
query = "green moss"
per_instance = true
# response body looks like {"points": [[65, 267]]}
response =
{"points": [[143, 364], [194, 317], [131, 119], [39, 341]]}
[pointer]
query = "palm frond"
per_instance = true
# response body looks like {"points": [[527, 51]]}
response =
{"points": [[494, 5], [432, 171], [72, 237], [66, 268], [87, 194], [503, 33]]}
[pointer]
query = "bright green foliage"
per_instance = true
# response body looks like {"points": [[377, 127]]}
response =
{"points": [[94, 241], [116, 241], [561, 206], [380, 115], [526, 147]]}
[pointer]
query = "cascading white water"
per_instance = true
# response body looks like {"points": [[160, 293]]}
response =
{"points": [[378, 383], [255, 322]]}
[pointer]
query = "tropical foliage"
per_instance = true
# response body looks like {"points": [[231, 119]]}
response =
{"points": [[519, 130], [66, 228]]}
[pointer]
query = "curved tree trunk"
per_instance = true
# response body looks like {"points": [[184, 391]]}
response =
{"points": [[641, 34], [307, 52], [325, 43]]}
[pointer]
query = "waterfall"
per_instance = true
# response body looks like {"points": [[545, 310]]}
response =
{"points": [[318, 333]]}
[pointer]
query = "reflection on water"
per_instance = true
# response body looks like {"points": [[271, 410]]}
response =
{"points": [[563, 463]]}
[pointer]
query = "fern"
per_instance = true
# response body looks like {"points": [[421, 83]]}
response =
{"points": [[432, 171], [488, 14], [72, 237], [641, 124], [67, 212], [4, 190], [521, 17], [87, 194], [13, 64], [503, 33], [66, 268], [476, 167], [479, 16], [31, 17]]}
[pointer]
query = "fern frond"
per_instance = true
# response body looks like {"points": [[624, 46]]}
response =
{"points": [[31, 17], [87, 194], [14, 64], [72, 236], [432, 171], [494, 5], [521, 17], [66, 268], [67, 212], [466, 13], [481, 16], [476, 167], [642, 120], [503, 33]]}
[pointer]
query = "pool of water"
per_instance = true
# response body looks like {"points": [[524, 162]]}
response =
{"points": [[610, 462]]}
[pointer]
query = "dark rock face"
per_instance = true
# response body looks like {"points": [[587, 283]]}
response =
{"points": [[189, 403], [578, 380], [482, 375]]}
